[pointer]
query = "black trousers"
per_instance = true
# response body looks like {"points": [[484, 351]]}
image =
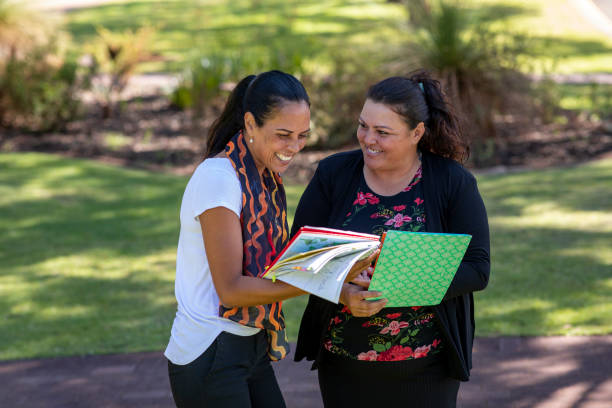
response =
{"points": [[353, 384], [234, 371]]}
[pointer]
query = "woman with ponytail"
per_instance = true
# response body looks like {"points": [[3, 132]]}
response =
{"points": [[229, 324], [406, 176]]}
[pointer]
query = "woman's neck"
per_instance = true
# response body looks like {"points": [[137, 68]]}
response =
{"points": [[388, 182]]}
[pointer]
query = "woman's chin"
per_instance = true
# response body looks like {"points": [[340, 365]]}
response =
{"points": [[279, 166], [372, 160]]}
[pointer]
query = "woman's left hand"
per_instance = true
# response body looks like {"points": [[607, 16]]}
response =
{"points": [[364, 278], [361, 266], [356, 299]]}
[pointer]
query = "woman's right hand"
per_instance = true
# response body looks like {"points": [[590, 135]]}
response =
{"points": [[355, 298]]}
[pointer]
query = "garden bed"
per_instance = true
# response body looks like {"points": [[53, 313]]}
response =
{"points": [[149, 133]]}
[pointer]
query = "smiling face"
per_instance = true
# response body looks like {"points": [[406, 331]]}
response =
{"points": [[281, 136], [386, 140]]}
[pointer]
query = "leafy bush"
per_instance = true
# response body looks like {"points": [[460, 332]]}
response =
{"points": [[204, 85], [39, 87], [479, 66], [117, 55], [22, 28], [40, 91], [337, 97]]}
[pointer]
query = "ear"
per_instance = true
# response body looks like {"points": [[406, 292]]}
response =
{"points": [[419, 131], [249, 122]]}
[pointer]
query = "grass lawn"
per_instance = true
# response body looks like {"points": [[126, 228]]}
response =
{"points": [[592, 98], [88, 250], [562, 38], [188, 29]]}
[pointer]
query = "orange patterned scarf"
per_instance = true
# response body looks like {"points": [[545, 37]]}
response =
{"points": [[264, 234]]}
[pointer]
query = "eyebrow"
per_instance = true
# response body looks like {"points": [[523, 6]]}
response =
{"points": [[378, 126], [291, 131]]}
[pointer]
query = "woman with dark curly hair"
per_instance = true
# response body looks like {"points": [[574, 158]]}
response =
{"points": [[406, 176]]}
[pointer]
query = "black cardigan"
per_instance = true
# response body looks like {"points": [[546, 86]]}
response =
{"points": [[452, 204]]}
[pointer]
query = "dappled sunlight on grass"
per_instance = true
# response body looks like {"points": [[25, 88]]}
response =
{"points": [[597, 251], [562, 40], [89, 248], [89, 254], [310, 27], [550, 234], [551, 215], [186, 28]]}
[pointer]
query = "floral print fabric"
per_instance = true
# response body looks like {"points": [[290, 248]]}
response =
{"points": [[394, 334]]}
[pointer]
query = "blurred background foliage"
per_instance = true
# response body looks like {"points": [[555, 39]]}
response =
{"points": [[39, 79], [484, 52], [117, 55]]}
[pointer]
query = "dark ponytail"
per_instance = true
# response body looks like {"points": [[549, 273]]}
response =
{"points": [[260, 95], [419, 98], [230, 121]]}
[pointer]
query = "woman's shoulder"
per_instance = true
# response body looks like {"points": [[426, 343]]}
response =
{"points": [[443, 166], [216, 165], [213, 173], [341, 160]]}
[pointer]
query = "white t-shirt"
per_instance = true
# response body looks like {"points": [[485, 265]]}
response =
{"points": [[197, 323]]}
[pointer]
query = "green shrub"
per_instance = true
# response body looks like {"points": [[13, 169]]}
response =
{"points": [[23, 28], [479, 66], [202, 82], [337, 97], [40, 91], [204, 85], [117, 55]]}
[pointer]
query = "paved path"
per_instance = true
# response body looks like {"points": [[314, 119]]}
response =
{"points": [[605, 6], [597, 12], [516, 372]]}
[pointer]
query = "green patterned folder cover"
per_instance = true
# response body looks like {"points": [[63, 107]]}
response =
{"points": [[416, 268]]}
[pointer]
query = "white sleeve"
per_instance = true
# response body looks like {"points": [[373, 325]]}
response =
{"points": [[215, 186]]}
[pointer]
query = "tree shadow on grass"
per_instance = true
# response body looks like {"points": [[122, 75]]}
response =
{"points": [[559, 48], [582, 188], [546, 281], [106, 214], [89, 216], [88, 315]]}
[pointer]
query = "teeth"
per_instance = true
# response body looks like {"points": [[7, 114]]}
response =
{"points": [[283, 157], [374, 151]]}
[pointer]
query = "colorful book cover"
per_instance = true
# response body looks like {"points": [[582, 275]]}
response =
{"points": [[318, 260]]}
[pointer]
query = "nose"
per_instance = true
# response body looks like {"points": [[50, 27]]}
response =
{"points": [[294, 146], [369, 137]]}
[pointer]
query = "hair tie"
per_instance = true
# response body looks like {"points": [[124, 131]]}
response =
{"points": [[422, 87]]}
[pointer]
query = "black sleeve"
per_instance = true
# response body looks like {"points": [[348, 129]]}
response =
{"points": [[466, 214], [314, 207]]}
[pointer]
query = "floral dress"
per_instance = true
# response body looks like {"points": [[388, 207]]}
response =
{"points": [[394, 334]]}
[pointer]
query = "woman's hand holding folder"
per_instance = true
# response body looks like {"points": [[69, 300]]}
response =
{"points": [[356, 299], [361, 266], [353, 294]]}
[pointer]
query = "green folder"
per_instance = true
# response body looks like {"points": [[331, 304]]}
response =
{"points": [[416, 268]]}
